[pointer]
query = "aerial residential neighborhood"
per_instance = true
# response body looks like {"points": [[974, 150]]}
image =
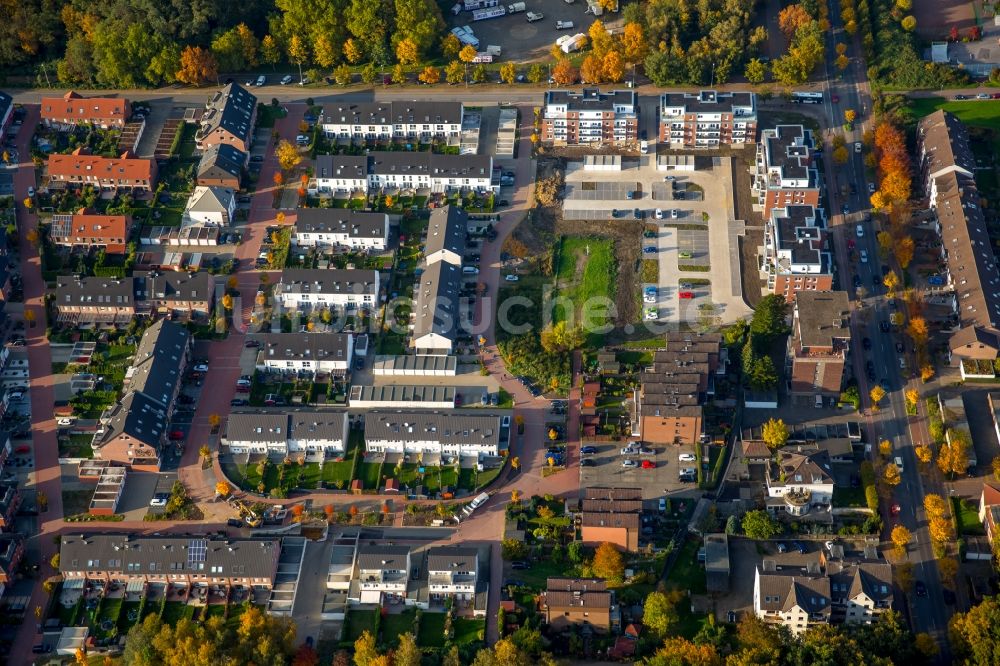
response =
{"points": [[550, 332]]}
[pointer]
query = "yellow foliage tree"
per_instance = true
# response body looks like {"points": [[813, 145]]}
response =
{"points": [[904, 250], [917, 330], [430, 75], [934, 505], [842, 63], [940, 530], [613, 67], [879, 202], [885, 448], [912, 396], [468, 53], [287, 154], [891, 475], [924, 454], [841, 155], [901, 538], [407, 52], [600, 38], [926, 373], [876, 395], [634, 46], [222, 489]]}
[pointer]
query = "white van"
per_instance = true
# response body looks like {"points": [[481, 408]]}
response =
{"points": [[470, 270], [899, 463]]}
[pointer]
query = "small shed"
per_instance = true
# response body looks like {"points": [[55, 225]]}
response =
{"points": [[357, 485], [392, 485]]}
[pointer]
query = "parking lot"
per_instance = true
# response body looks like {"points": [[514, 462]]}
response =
{"points": [[654, 483]]}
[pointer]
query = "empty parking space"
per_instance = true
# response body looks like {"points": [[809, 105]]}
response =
{"points": [[695, 244], [599, 191]]}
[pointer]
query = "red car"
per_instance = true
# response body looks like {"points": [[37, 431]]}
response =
{"points": [[177, 434], [894, 509], [850, 243], [22, 449], [648, 464], [686, 294]]}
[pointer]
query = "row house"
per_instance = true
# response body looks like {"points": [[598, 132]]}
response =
{"points": [[100, 301], [946, 167], [341, 229], [590, 116], [188, 561], [73, 109], [707, 119], [229, 118], [785, 174], [819, 344], [213, 206], [795, 257], [452, 572], [384, 121], [84, 230], [612, 515], [346, 175], [11, 555], [579, 602], [308, 288], [10, 502], [432, 432], [287, 433], [382, 573], [125, 172], [309, 354], [221, 165]]}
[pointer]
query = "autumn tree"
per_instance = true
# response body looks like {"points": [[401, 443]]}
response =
{"points": [[407, 653], [468, 53], [940, 530], [600, 39], [948, 568], [508, 73], [223, 489], [891, 282], [885, 448], [755, 71], [842, 62], [917, 330], [660, 612], [407, 52], [934, 506], [591, 70], [288, 155], [270, 52], [885, 241], [891, 475], [926, 645], [454, 72], [450, 46], [298, 52], [633, 42], [791, 18], [774, 433], [564, 73], [903, 250], [876, 394], [342, 75], [609, 564], [901, 538], [924, 454], [953, 454], [365, 651], [398, 74], [841, 155], [430, 75], [353, 51], [559, 337], [197, 66]]}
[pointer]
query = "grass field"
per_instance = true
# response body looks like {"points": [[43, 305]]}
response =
{"points": [[591, 291], [468, 631], [395, 625], [355, 624], [214, 610], [109, 613], [973, 113], [174, 611], [431, 634], [124, 623], [368, 473], [967, 515]]}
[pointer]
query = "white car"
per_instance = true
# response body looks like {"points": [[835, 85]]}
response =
{"points": [[864, 256], [629, 463], [31, 191], [261, 80], [651, 314], [511, 278], [643, 146], [64, 422], [857, 147], [686, 458], [304, 81], [860, 231], [158, 501], [564, 25], [673, 213], [285, 80], [871, 188], [628, 451], [201, 367], [658, 213]]}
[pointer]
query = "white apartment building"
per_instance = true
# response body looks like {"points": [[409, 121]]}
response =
{"points": [[307, 288], [452, 572], [590, 116], [340, 228], [340, 175], [257, 433], [392, 120], [707, 119], [298, 353], [432, 432], [343, 175], [383, 573], [286, 433], [211, 205]]}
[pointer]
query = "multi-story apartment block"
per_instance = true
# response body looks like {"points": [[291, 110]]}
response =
{"points": [[10, 502], [818, 346], [798, 602], [91, 230], [583, 602], [340, 228], [708, 119], [340, 175], [382, 572], [305, 353], [946, 171], [126, 172], [452, 571], [229, 118], [590, 116], [95, 301], [794, 254], [72, 109], [286, 433], [425, 431], [189, 561], [785, 174], [11, 554], [392, 120], [306, 288], [175, 294]]}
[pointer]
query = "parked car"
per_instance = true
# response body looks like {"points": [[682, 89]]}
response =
{"points": [[285, 80], [201, 367], [649, 249], [629, 464], [587, 462], [685, 295], [648, 464], [177, 434], [251, 343], [238, 402], [588, 450], [519, 565], [686, 458], [234, 522], [64, 422]]}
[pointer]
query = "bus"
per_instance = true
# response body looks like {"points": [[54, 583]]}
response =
{"points": [[807, 98]]}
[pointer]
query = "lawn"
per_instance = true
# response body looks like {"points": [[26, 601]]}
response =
{"points": [[594, 290], [395, 625], [66, 614], [124, 623], [174, 611], [967, 515], [152, 606], [848, 497], [467, 478], [369, 474], [431, 634], [688, 573], [214, 610], [973, 113], [539, 573], [355, 624], [337, 471], [468, 631], [109, 613]]}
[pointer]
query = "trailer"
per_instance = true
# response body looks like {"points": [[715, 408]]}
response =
{"points": [[573, 43], [467, 38], [472, 5], [516, 7], [493, 50], [491, 13], [483, 57]]}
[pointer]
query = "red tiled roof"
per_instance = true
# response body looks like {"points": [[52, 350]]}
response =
{"points": [[991, 494], [74, 107], [94, 167], [93, 227]]}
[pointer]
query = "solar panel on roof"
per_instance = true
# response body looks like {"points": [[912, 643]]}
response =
{"points": [[197, 549]]}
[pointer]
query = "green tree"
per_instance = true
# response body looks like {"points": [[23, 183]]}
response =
{"points": [[975, 635], [368, 21], [419, 21], [270, 52], [536, 73], [755, 71], [558, 337], [342, 75], [508, 73], [298, 51], [479, 73], [759, 524], [763, 375], [659, 613], [454, 73], [398, 75], [769, 318], [324, 51], [369, 74]]}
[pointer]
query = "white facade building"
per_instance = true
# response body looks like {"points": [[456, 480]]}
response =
{"points": [[211, 205], [314, 353], [340, 228], [452, 572], [287, 433], [392, 120], [307, 288], [432, 432]]}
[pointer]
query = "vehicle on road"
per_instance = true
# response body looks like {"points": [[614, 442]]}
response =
{"points": [[285, 80], [900, 348], [238, 402], [866, 343], [857, 147], [261, 80], [643, 145], [534, 16], [860, 231], [857, 281], [686, 457], [894, 509], [201, 367], [984, 96], [920, 588], [871, 188], [587, 462], [960, 97], [177, 434], [864, 256]]}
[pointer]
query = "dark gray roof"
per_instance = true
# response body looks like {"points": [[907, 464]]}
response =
{"points": [[708, 101], [789, 149], [452, 558], [341, 166], [945, 142], [255, 427], [231, 109], [393, 113], [799, 230], [608, 493], [355, 223], [304, 346], [446, 230], [140, 417], [481, 429], [417, 363], [222, 160], [381, 558], [131, 554], [781, 592], [430, 164], [328, 281], [437, 303], [821, 317], [592, 99], [176, 286], [402, 393], [95, 291], [318, 425], [157, 364]]}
